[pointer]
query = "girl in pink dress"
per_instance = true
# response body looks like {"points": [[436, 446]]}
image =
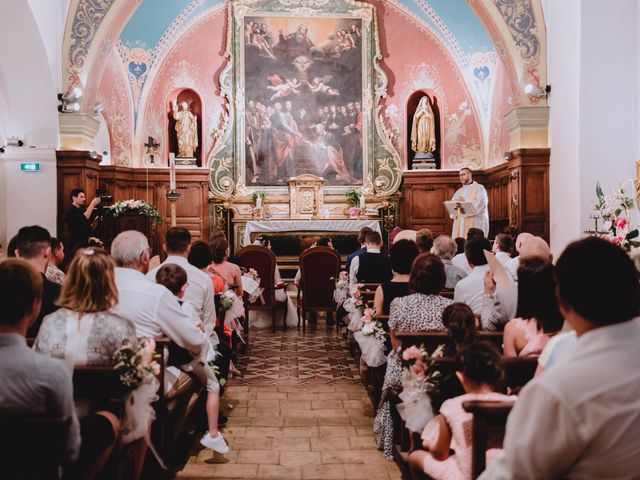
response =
{"points": [[480, 370]]}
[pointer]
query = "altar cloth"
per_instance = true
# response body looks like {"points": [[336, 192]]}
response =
{"points": [[305, 225]]}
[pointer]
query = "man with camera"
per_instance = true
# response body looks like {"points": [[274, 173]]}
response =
{"points": [[81, 219]]}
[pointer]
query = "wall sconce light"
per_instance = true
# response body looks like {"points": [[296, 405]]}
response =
{"points": [[14, 142], [536, 91], [507, 156], [97, 109], [69, 101]]}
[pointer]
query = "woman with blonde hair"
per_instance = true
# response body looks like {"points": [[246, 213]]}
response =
{"points": [[84, 331]]}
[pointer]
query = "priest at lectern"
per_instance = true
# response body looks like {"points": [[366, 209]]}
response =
{"points": [[469, 206]]}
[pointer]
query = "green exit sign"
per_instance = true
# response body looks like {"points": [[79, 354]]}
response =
{"points": [[30, 167]]}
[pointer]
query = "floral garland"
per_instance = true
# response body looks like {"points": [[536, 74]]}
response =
{"points": [[138, 206], [371, 327], [614, 213]]}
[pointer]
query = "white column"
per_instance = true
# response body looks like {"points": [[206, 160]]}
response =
{"points": [[593, 126], [27, 198]]}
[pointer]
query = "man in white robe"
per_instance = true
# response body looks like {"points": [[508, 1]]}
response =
{"points": [[475, 193]]}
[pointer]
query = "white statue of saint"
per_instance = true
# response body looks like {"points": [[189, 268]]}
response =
{"points": [[423, 131], [186, 129]]}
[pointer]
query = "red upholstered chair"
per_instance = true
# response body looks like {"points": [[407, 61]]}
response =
{"points": [[263, 261], [319, 267]]}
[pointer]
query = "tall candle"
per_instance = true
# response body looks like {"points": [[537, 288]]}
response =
{"points": [[259, 201], [362, 200], [172, 172]]}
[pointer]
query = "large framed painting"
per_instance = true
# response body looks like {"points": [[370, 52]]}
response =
{"points": [[303, 88]]}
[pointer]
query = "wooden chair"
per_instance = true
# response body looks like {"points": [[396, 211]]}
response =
{"points": [[489, 423], [431, 340], [319, 267], [263, 261], [21, 436], [518, 371]]}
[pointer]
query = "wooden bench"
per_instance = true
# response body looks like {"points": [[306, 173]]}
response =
{"points": [[33, 447], [489, 423], [431, 340]]}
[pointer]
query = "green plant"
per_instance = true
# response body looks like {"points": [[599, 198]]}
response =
{"points": [[254, 197], [353, 197]]}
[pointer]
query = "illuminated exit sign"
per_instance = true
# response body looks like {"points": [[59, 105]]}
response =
{"points": [[30, 167]]}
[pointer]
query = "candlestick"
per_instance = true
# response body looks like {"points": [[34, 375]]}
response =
{"points": [[173, 198], [172, 172], [259, 201], [362, 201]]}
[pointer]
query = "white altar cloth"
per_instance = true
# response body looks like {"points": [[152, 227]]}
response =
{"points": [[304, 225]]}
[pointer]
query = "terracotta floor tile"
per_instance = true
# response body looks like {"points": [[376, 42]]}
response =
{"points": [[235, 470], [326, 471], [280, 472], [259, 457], [330, 444], [365, 471], [299, 458], [296, 444], [342, 457]]}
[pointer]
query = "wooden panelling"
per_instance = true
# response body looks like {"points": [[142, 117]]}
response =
{"points": [[518, 192], [140, 184]]}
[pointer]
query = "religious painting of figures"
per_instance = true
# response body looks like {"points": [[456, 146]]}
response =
{"points": [[303, 102]]}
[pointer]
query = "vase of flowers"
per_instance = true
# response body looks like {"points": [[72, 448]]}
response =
{"points": [[614, 213], [353, 201]]}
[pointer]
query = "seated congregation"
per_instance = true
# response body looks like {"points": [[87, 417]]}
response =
{"points": [[480, 359]]}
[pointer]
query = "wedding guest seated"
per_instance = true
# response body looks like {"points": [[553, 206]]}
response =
{"points": [[512, 265], [424, 240], [480, 370], [372, 266], [460, 323], [53, 273], [30, 383], [174, 278], [86, 331], [555, 350], [503, 248], [581, 419], [445, 248], [471, 289], [199, 291], [230, 272], [153, 309], [538, 317], [460, 260], [33, 244], [403, 253], [220, 234], [420, 311], [460, 242], [362, 238]]}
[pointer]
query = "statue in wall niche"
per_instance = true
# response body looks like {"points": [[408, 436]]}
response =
{"points": [[423, 135], [186, 130]]}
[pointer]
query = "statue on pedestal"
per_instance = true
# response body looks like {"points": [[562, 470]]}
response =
{"points": [[423, 136], [186, 130]]}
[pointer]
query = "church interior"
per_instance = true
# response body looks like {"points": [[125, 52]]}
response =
{"points": [[331, 239]]}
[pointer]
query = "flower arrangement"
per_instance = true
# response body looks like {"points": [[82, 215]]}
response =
{"points": [[227, 299], [615, 215], [136, 363], [356, 294], [371, 327], [251, 273], [137, 206], [254, 198], [417, 371], [341, 292]]}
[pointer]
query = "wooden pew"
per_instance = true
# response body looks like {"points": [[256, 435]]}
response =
{"points": [[489, 422], [431, 340], [20, 436]]}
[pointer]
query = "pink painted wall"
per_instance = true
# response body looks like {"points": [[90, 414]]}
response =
{"points": [[194, 62], [503, 103], [115, 94]]}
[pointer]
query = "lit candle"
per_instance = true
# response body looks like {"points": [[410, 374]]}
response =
{"points": [[362, 200], [172, 172]]}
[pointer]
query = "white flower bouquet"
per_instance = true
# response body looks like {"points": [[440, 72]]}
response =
{"points": [[136, 206]]}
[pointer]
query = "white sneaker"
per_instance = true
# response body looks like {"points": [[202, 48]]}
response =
{"points": [[216, 443]]}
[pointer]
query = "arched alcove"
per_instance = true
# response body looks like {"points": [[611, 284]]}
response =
{"points": [[410, 109], [195, 107]]}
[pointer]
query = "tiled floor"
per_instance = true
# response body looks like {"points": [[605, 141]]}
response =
{"points": [[299, 412]]}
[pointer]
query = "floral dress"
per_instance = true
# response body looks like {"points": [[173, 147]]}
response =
{"points": [[414, 313]]}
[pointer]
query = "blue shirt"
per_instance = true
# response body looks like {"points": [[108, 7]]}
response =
{"points": [[353, 255], [33, 383]]}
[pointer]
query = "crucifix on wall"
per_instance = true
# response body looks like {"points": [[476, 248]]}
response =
{"points": [[152, 149]]}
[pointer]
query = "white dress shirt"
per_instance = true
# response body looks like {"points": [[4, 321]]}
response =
{"points": [[581, 419], [199, 293], [503, 257], [460, 261], [512, 266], [155, 311], [494, 311]]}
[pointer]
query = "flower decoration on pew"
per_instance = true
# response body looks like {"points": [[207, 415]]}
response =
{"points": [[356, 294], [234, 311], [341, 291], [251, 273], [138, 369], [136, 206], [372, 327], [614, 212], [419, 381]]}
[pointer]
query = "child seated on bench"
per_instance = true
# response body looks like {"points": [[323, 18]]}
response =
{"points": [[480, 370], [174, 278]]}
